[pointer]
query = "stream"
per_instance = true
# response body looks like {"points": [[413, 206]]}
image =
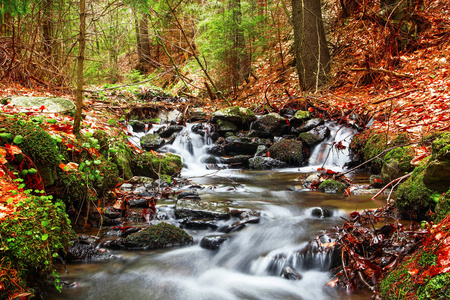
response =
{"points": [[249, 264]]}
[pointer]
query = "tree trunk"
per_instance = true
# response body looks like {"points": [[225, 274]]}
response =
{"points": [[47, 28], [311, 51], [240, 59], [144, 58], [82, 44]]}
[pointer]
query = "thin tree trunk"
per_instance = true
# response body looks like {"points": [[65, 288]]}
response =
{"points": [[82, 44]]}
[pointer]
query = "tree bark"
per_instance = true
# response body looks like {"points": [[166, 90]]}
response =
{"points": [[82, 45], [311, 51], [144, 58]]}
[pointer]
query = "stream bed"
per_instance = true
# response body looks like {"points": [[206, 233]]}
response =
{"points": [[249, 264]]}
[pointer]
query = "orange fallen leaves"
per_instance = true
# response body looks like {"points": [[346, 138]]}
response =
{"points": [[69, 167]]}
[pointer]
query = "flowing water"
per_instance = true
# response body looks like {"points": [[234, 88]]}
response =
{"points": [[248, 265]]}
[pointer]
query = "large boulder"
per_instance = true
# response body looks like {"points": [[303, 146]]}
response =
{"points": [[268, 125], [243, 145], [196, 209], [310, 124], [225, 126], [288, 151], [151, 141], [54, 105], [332, 186], [236, 114], [213, 242], [167, 131]]}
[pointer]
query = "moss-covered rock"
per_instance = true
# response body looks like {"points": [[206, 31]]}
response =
{"points": [[397, 163], [332, 186], [269, 125], [437, 173], [413, 197], [161, 235], [314, 136], [56, 105], [442, 207], [288, 151], [234, 114], [37, 144], [225, 126], [156, 165], [151, 141]]}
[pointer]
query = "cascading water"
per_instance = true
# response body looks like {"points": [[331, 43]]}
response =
{"points": [[251, 262]]}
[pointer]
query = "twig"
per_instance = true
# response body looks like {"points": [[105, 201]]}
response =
{"points": [[381, 70], [393, 181], [392, 97]]}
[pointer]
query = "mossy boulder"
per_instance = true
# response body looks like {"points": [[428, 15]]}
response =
{"points": [[413, 198], [300, 117], [437, 173], [288, 151], [225, 126], [236, 114], [332, 186], [197, 209], [268, 125], [156, 165], [151, 141], [397, 163], [265, 163], [162, 235], [37, 144]]}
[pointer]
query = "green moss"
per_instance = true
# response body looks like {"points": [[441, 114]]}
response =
{"points": [[159, 236], [288, 151], [413, 197], [32, 236], [155, 165], [436, 287], [332, 186], [37, 143], [442, 207], [374, 146], [441, 146], [234, 114], [427, 259], [302, 115], [309, 138], [397, 284], [397, 163]]}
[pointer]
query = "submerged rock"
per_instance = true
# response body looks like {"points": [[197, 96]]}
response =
{"points": [[290, 274]]}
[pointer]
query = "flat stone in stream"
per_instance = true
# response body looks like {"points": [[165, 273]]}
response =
{"points": [[213, 242], [265, 163], [188, 196], [199, 224], [84, 249], [167, 131], [195, 209], [162, 235]]}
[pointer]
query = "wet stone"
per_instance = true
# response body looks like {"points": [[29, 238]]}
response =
{"points": [[199, 224], [310, 124], [201, 210], [166, 132], [188, 196], [138, 126], [290, 274], [213, 242], [139, 202], [322, 212]]}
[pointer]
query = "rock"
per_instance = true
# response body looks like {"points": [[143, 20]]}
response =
{"points": [[126, 187], [140, 180], [237, 161], [53, 105], [151, 141], [315, 136], [313, 178], [139, 202], [236, 114], [300, 117], [287, 112], [437, 175], [197, 114], [201, 210], [262, 149], [243, 145], [322, 212], [199, 224], [309, 125], [290, 274], [167, 131], [188, 196], [265, 163], [84, 249], [213, 242], [167, 116], [288, 151], [268, 125], [162, 235], [225, 126], [156, 165], [160, 183], [332, 186], [138, 126], [209, 159]]}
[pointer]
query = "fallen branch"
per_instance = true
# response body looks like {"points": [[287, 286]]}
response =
{"points": [[393, 181], [392, 97]]}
